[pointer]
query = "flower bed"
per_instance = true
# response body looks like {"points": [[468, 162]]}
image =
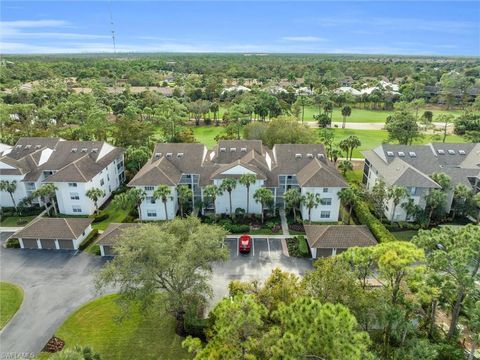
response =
{"points": [[54, 344], [296, 227]]}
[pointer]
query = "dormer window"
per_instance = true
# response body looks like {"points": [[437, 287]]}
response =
{"points": [[451, 152], [441, 152], [461, 152], [310, 156], [243, 149], [390, 153], [38, 146], [412, 154], [157, 155], [401, 154], [223, 149], [233, 149], [298, 156], [169, 155], [74, 150], [94, 150], [18, 146], [180, 155], [84, 150], [28, 146]]}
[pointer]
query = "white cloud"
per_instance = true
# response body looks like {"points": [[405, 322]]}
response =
{"points": [[303, 38]]}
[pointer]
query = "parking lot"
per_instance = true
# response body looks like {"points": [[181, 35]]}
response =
{"points": [[262, 247]]}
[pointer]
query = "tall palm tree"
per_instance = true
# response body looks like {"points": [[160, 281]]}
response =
{"points": [[95, 194], [47, 193], [353, 142], [293, 198], [228, 185], [212, 192], [264, 197], [10, 187], [137, 196], [184, 193], [461, 193], [247, 180], [346, 112], [396, 194], [311, 200], [349, 196], [434, 199], [163, 192], [344, 166]]}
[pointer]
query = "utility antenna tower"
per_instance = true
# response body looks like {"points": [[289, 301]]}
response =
{"points": [[112, 28]]}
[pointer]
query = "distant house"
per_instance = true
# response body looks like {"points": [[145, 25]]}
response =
{"points": [[304, 91], [347, 90], [286, 166], [109, 238], [235, 89], [73, 167], [331, 240], [412, 165], [54, 233]]}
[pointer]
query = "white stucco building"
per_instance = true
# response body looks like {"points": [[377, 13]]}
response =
{"points": [[302, 166], [73, 167]]}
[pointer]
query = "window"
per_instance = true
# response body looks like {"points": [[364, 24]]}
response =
{"points": [[325, 214], [149, 188], [108, 177], [325, 190], [76, 209], [102, 182], [151, 213], [72, 184], [326, 201], [74, 196], [412, 190], [150, 199]]}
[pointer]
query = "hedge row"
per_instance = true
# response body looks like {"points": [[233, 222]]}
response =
{"points": [[365, 217], [90, 238]]}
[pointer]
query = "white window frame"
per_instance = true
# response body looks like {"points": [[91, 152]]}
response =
{"points": [[151, 213], [322, 213], [74, 196], [72, 184], [76, 208]]}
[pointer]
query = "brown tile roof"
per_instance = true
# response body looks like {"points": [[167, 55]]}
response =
{"points": [[113, 232], [54, 228], [318, 172], [338, 236]]}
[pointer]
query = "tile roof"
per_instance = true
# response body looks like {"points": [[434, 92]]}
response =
{"points": [[54, 228], [338, 236], [113, 232]]}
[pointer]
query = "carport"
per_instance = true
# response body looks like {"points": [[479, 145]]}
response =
{"points": [[54, 233]]}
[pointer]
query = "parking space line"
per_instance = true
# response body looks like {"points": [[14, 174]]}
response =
{"points": [[268, 246], [238, 249], [253, 246]]}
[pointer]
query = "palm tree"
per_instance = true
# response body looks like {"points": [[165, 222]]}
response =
{"points": [[335, 153], [10, 187], [264, 197], [396, 194], [293, 198], [95, 194], [434, 200], [228, 185], [184, 193], [344, 145], [47, 192], [77, 352], [353, 142], [345, 166], [346, 112], [311, 200], [163, 192], [461, 193], [247, 180], [212, 192], [349, 196]]}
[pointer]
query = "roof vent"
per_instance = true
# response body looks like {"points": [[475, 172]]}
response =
{"points": [[401, 154], [243, 149], [310, 156], [73, 150], [84, 150], [461, 152], [94, 150], [179, 155], [321, 156], [38, 146], [233, 149], [412, 154], [390, 153], [298, 156], [451, 152], [441, 152], [28, 146], [157, 155], [223, 149], [168, 155]]}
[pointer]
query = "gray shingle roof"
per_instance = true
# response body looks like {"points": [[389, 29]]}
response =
{"points": [[54, 228], [338, 236], [113, 232]]}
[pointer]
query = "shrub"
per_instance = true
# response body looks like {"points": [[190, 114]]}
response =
{"points": [[238, 229], [13, 243], [101, 216], [88, 240], [365, 217], [303, 246], [22, 221], [129, 219], [195, 327]]}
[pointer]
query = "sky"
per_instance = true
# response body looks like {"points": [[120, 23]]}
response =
{"points": [[358, 27]]}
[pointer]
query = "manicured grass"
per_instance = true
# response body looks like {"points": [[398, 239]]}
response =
{"points": [[11, 297], [354, 177], [406, 235], [114, 216], [150, 336], [206, 134], [13, 220], [264, 231]]}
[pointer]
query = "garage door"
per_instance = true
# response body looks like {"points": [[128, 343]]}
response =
{"points": [[48, 243], [324, 252], [30, 243], [66, 244], [108, 250]]}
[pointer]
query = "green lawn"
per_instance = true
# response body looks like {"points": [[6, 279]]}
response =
{"points": [[206, 134], [13, 220], [94, 324], [406, 235], [115, 216], [11, 297]]}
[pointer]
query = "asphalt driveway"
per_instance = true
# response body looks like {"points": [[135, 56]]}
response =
{"points": [[56, 283]]}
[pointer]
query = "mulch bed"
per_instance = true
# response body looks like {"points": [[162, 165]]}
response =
{"points": [[53, 345], [296, 227]]}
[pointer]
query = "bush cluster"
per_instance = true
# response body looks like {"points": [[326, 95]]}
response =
{"points": [[88, 240], [365, 217], [101, 216], [25, 211]]}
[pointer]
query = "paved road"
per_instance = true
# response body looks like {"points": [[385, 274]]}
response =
{"points": [[56, 283]]}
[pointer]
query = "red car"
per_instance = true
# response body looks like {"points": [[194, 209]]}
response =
{"points": [[245, 244]]}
